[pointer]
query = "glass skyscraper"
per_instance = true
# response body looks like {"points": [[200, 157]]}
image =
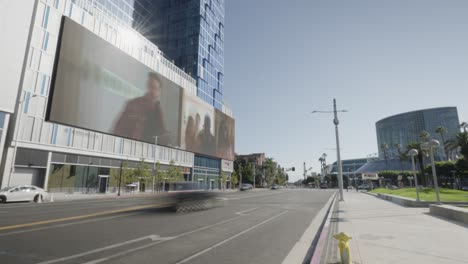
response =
{"points": [[407, 127], [191, 34]]}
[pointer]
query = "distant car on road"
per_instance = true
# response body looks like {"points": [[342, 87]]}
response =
{"points": [[323, 185], [364, 187], [22, 193], [246, 186], [274, 187]]}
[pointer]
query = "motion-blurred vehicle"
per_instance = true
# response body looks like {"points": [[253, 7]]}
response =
{"points": [[22, 193], [364, 187], [190, 196], [274, 187], [323, 185], [246, 186]]}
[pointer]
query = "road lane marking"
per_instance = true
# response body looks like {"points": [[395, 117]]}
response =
{"points": [[134, 208], [243, 196], [65, 225], [133, 249], [246, 211], [230, 238], [150, 237]]}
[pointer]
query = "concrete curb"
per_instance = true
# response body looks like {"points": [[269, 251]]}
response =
{"points": [[450, 212], [304, 249], [408, 202], [319, 249]]}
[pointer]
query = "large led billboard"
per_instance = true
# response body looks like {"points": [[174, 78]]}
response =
{"points": [[98, 87]]}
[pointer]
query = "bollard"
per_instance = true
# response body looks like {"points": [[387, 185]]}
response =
{"points": [[39, 198], [51, 197], [343, 245]]}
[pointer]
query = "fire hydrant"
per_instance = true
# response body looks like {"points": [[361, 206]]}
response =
{"points": [[343, 245]]}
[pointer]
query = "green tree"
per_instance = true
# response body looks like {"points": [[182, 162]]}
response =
{"points": [[234, 179], [174, 173], [270, 168], [425, 136], [460, 142], [158, 176], [223, 180], [142, 173], [441, 130]]}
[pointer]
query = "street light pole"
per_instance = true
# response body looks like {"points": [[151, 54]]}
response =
{"points": [[413, 153], [154, 161], [338, 156], [434, 144], [120, 177], [254, 165]]}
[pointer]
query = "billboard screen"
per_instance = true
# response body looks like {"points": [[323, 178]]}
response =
{"points": [[98, 87]]}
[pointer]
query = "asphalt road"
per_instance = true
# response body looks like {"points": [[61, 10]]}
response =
{"points": [[250, 227]]}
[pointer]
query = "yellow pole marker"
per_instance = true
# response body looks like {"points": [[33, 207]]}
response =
{"points": [[343, 245]]}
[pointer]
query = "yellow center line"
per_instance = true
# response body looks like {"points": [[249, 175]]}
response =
{"points": [[134, 208]]}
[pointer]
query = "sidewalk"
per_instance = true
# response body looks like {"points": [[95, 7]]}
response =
{"points": [[383, 232]]}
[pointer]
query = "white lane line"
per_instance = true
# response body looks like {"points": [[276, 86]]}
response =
{"points": [[246, 211], [133, 249], [67, 224], [150, 237], [242, 196], [230, 238]]}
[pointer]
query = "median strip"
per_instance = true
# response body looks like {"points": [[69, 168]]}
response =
{"points": [[134, 208]]}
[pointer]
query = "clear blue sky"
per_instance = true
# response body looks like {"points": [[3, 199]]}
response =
{"points": [[284, 59]]}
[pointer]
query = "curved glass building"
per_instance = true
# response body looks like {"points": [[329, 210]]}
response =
{"points": [[407, 127]]}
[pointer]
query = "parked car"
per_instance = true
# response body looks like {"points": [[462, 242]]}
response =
{"points": [[22, 193], [246, 186], [465, 188], [274, 187]]}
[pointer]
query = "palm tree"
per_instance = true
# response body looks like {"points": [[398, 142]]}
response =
{"points": [[464, 126], [323, 162], [460, 141], [384, 147], [425, 136], [401, 155], [441, 130]]}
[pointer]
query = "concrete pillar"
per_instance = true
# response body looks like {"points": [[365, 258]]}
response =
{"points": [[7, 167], [47, 173]]}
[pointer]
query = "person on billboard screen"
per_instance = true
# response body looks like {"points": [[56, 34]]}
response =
{"points": [[143, 117], [225, 140], [206, 140]]}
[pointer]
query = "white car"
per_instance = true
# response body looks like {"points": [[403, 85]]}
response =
{"points": [[22, 193]]}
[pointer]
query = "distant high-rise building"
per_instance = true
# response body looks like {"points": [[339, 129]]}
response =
{"points": [[407, 127], [191, 34]]}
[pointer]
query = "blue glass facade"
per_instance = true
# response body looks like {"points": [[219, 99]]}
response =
{"points": [[407, 127], [206, 171], [122, 9], [191, 34]]}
